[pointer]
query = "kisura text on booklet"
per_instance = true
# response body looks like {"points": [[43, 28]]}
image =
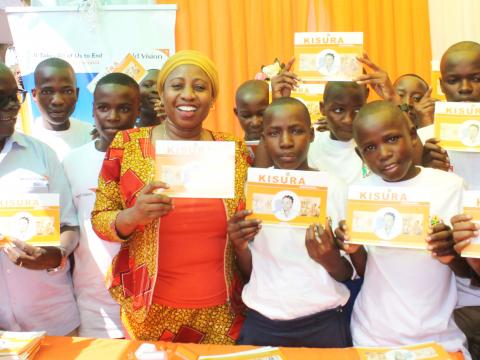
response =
{"points": [[32, 217], [287, 197], [384, 216]]}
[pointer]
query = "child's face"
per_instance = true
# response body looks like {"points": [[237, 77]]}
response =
{"points": [[115, 108], [410, 89], [148, 92], [55, 94], [287, 137], [249, 111], [385, 143], [340, 110], [460, 79]]}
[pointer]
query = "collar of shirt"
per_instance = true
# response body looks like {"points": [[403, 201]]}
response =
{"points": [[15, 139]]}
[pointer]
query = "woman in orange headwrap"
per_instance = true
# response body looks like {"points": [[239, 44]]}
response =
{"points": [[175, 276]]}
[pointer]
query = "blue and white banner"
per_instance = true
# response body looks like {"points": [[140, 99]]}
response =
{"points": [[91, 40]]}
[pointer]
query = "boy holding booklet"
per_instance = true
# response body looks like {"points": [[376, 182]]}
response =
{"points": [[408, 296], [293, 300]]}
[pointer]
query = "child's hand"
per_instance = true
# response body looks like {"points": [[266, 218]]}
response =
{"points": [[378, 79], [440, 243], [435, 156], [425, 108], [159, 110], [321, 125], [284, 83], [241, 231], [321, 246], [342, 234], [464, 230]]}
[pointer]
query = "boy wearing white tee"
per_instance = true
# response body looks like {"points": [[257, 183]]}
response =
{"points": [[294, 296], [460, 82], [56, 95], [115, 108], [408, 296], [333, 151]]}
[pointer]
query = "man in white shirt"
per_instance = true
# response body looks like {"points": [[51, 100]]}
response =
{"points": [[115, 108], [36, 285], [56, 95]]}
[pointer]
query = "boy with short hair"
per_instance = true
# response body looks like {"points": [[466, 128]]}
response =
{"points": [[460, 82], [56, 95], [115, 108], [414, 93], [295, 295], [333, 151], [151, 109], [408, 296], [251, 100]]}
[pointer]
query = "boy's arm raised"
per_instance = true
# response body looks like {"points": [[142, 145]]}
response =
{"points": [[321, 248]]}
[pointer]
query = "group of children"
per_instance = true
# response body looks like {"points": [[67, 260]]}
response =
{"points": [[296, 292], [407, 296]]}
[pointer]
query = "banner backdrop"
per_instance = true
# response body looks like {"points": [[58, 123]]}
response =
{"points": [[91, 40]]}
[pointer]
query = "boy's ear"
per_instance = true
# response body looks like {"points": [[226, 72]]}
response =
{"points": [[77, 90], [357, 150], [34, 93], [414, 134], [312, 134], [235, 111], [322, 107], [441, 84]]}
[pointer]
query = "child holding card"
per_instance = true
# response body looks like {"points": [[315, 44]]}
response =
{"points": [[408, 296], [294, 295]]}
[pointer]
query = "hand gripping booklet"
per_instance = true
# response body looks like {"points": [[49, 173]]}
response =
{"points": [[293, 197], [471, 206], [196, 169], [327, 56], [458, 125], [437, 92], [33, 218], [426, 351], [383, 216], [263, 353]]}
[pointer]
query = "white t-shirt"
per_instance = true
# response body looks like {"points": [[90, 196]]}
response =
{"points": [[466, 165], [285, 282], [63, 141], [34, 300], [99, 313], [407, 296], [335, 157]]}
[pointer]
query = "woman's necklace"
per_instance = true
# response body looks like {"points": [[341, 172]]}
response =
{"points": [[205, 135]]}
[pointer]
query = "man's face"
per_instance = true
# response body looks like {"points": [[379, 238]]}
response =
{"points": [[473, 133], [329, 60], [55, 94], [388, 222], [9, 111]]}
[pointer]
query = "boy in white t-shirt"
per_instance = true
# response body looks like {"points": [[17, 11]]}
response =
{"points": [[460, 82], [408, 296], [294, 296], [333, 151], [115, 108], [56, 95]]}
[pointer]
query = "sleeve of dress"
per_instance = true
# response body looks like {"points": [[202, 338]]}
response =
{"points": [[243, 159], [108, 202]]}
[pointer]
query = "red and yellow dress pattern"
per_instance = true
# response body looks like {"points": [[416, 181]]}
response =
{"points": [[128, 166]]}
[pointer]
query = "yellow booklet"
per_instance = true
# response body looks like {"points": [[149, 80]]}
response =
{"points": [[293, 197], [471, 206], [196, 169], [425, 351], [33, 218], [396, 217], [264, 353], [327, 56], [458, 125], [311, 101], [19, 343], [437, 92]]}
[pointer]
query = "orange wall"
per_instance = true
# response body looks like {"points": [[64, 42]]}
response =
{"points": [[242, 35]]}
